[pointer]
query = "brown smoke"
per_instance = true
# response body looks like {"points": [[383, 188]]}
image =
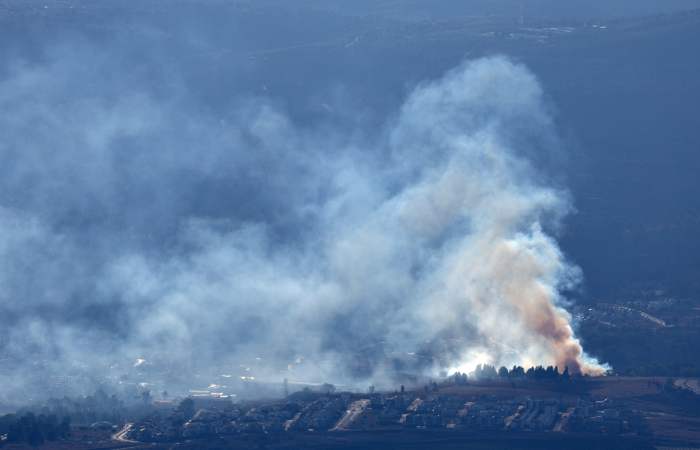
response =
{"points": [[503, 275]]}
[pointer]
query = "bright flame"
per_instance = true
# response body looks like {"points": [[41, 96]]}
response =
{"points": [[470, 360]]}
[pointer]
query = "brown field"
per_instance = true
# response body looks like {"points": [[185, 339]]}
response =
{"points": [[673, 418], [615, 388]]}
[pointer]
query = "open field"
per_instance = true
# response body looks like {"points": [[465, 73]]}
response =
{"points": [[659, 412], [672, 417]]}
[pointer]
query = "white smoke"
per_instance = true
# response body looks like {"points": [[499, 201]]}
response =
{"points": [[444, 241], [429, 240]]}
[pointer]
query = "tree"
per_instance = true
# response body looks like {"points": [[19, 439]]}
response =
{"points": [[460, 378], [540, 373], [186, 407], [566, 376], [517, 372], [146, 397], [489, 372], [64, 427]]}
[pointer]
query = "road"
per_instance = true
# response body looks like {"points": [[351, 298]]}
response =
{"points": [[121, 435], [352, 415]]}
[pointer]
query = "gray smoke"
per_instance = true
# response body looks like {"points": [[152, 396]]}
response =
{"points": [[135, 223]]}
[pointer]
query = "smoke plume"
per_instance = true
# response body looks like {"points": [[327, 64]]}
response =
{"points": [[135, 223]]}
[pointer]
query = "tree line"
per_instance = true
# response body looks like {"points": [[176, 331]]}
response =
{"points": [[489, 372], [33, 429]]}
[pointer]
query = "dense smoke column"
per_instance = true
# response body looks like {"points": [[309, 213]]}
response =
{"points": [[481, 205]]}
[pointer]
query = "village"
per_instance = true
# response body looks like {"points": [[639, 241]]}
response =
{"points": [[448, 406]]}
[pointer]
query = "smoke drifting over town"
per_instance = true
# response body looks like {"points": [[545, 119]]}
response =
{"points": [[137, 223]]}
